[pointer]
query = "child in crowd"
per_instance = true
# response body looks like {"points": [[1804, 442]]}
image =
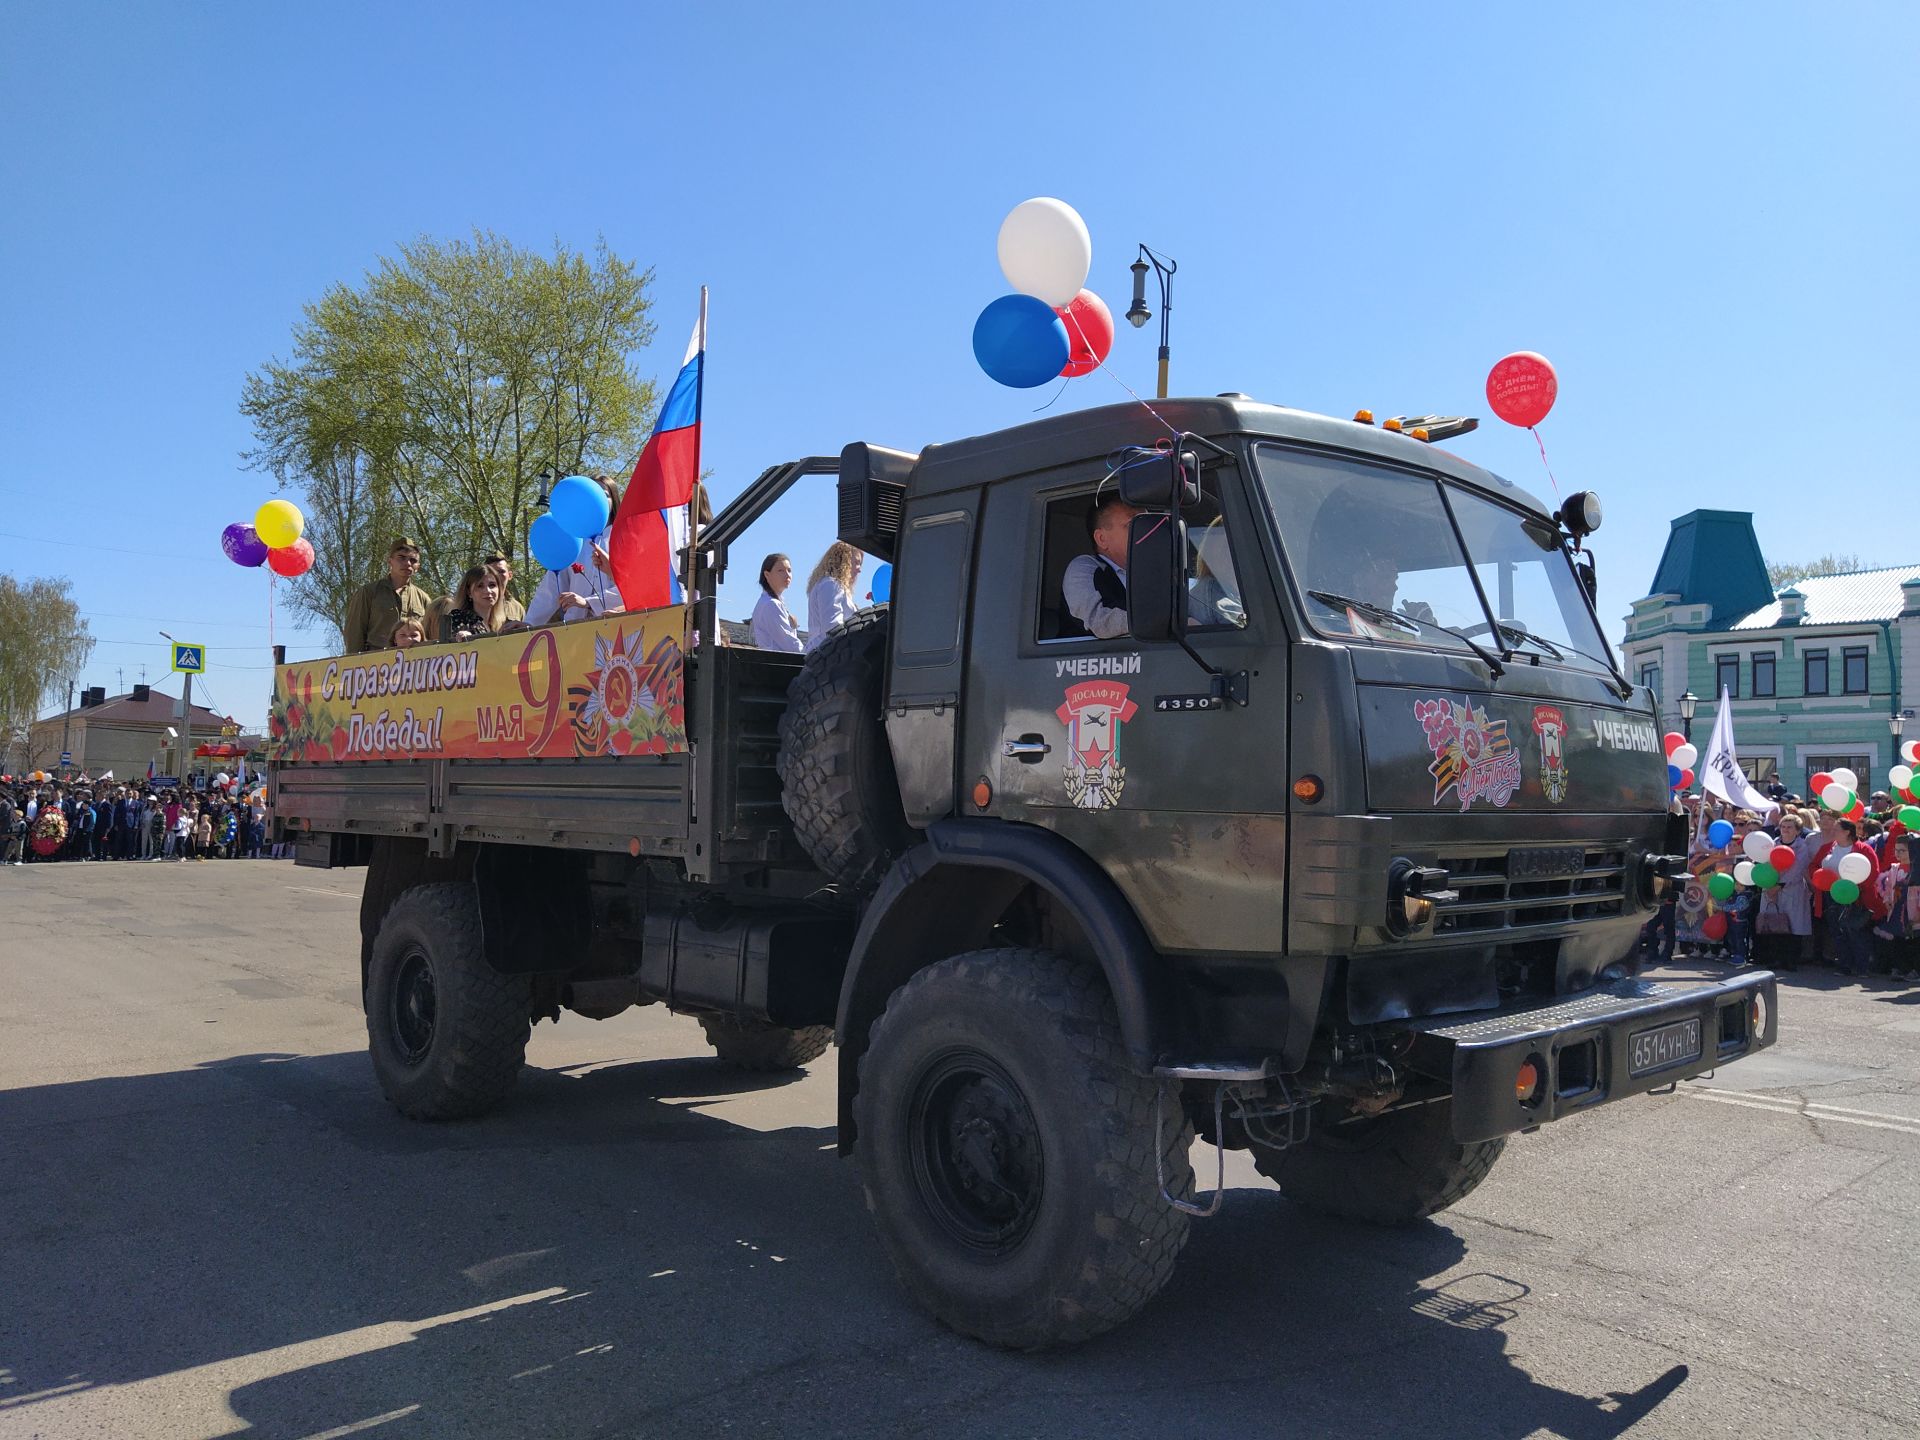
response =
{"points": [[156, 830], [407, 634], [202, 835]]}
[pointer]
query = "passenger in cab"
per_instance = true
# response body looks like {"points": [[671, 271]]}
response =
{"points": [[773, 624], [830, 590]]}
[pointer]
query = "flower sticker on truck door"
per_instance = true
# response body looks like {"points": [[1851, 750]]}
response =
{"points": [[1093, 713], [1472, 755]]}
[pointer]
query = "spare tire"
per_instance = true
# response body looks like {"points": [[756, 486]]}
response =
{"points": [[836, 772]]}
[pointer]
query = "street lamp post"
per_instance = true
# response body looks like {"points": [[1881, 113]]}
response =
{"points": [[1896, 726], [1139, 314], [1689, 702]]}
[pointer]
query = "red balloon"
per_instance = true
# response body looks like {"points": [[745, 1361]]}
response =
{"points": [[1714, 927], [1673, 740], [1089, 332], [1819, 782], [1686, 779], [292, 560], [1822, 878], [1781, 859], [1859, 811], [1521, 388]]}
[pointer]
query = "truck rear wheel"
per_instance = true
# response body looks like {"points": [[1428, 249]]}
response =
{"points": [[1007, 1151], [1391, 1170], [447, 1033], [753, 1045], [836, 772]]}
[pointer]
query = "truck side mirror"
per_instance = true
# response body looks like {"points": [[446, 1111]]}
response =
{"points": [[1156, 577], [1161, 483]]}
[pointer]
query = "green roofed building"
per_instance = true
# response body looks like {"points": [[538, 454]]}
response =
{"points": [[1817, 670]]}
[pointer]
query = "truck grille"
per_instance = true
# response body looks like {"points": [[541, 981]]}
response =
{"points": [[1489, 900]]}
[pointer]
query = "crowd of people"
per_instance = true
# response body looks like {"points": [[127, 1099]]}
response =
{"points": [[108, 821], [1863, 930]]}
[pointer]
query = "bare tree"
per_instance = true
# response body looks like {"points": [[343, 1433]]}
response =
{"points": [[1785, 572], [43, 641]]}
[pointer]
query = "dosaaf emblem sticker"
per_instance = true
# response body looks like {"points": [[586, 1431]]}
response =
{"points": [[1093, 713], [1551, 726], [1472, 755]]}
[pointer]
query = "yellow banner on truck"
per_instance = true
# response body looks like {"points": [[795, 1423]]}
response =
{"points": [[615, 686]]}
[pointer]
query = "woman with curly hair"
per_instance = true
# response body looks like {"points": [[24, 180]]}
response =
{"points": [[830, 590]]}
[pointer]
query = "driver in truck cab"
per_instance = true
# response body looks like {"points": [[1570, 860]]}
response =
{"points": [[1095, 586]]}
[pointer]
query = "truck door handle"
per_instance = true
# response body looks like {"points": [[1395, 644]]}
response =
{"points": [[1028, 749]]}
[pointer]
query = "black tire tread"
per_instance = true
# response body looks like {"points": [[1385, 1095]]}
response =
{"points": [[758, 1046], [484, 1011], [1139, 1236], [836, 774]]}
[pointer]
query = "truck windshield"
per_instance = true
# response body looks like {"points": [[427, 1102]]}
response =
{"points": [[1377, 559]]}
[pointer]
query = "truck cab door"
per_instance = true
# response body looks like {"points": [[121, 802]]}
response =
{"points": [[1107, 742]]}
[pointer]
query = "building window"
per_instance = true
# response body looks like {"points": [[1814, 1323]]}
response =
{"points": [[1816, 672], [1760, 770], [1726, 675], [1650, 677], [1853, 670], [1763, 677], [1861, 765]]}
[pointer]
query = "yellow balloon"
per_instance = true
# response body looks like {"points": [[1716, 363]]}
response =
{"points": [[278, 523]]}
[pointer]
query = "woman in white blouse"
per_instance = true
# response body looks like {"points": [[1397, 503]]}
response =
{"points": [[830, 590], [773, 623]]}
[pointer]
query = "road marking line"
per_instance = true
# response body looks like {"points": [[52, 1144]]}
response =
{"points": [[340, 1431], [1869, 1119]]}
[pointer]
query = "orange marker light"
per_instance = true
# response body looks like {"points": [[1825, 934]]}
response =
{"points": [[1363, 417], [1308, 789], [982, 794], [1389, 424], [1525, 1081]]}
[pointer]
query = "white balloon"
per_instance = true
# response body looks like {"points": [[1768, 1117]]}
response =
{"points": [[1758, 845], [1743, 873], [1910, 752], [1836, 796], [1684, 756], [1045, 250], [1855, 868], [1901, 776], [1846, 777]]}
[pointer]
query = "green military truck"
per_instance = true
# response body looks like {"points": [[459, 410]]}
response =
{"points": [[1337, 851]]}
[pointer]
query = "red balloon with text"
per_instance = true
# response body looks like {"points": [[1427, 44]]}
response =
{"points": [[1521, 388]]}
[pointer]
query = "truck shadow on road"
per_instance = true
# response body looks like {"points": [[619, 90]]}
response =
{"points": [[262, 1247]]}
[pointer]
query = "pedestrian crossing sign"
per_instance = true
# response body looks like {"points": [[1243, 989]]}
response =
{"points": [[189, 659]]}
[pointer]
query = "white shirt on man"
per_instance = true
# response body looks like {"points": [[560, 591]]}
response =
{"points": [[1103, 622]]}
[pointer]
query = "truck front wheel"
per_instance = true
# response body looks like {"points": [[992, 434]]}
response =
{"points": [[754, 1045], [1392, 1169], [1007, 1150], [447, 1033]]}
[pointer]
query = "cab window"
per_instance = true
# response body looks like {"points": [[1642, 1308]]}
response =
{"points": [[1213, 583]]}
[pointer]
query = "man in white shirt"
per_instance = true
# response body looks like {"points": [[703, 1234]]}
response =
{"points": [[1095, 586]]}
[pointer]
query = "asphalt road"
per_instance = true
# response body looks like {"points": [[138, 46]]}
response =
{"points": [[211, 1223]]}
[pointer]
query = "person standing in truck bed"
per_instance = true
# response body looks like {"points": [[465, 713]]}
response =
{"points": [[379, 605]]}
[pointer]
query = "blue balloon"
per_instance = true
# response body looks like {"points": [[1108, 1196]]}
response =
{"points": [[1020, 342], [1673, 777], [579, 507], [882, 584], [552, 546], [1719, 834]]}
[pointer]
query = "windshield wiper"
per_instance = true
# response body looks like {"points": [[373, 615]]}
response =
{"points": [[1394, 617], [1507, 627]]}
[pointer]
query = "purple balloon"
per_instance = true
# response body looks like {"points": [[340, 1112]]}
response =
{"points": [[243, 547]]}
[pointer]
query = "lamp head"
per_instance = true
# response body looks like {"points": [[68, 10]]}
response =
{"points": [[1139, 314]]}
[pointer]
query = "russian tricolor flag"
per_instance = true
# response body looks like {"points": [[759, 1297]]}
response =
{"points": [[652, 524]]}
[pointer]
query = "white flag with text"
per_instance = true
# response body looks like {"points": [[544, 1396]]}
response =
{"points": [[1720, 772]]}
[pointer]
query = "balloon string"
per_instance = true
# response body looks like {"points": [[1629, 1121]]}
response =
{"points": [[1175, 429], [1064, 382], [1534, 430], [272, 580]]}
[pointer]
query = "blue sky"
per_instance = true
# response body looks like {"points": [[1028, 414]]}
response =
{"points": [[1705, 215]]}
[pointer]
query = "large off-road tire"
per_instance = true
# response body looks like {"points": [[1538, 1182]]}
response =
{"points": [[447, 1033], [1393, 1170], [754, 1045], [836, 772], [1007, 1151]]}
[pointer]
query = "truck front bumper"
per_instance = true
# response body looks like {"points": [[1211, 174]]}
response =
{"points": [[1514, 1069]]}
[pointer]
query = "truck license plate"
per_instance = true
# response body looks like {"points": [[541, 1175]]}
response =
{"points": [[1663, 1046], [1546, 862]]}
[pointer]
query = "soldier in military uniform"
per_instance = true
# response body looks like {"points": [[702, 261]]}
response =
{"points": [[379, 605]]}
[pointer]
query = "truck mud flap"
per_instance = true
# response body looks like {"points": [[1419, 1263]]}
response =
{"points": [[1517, 1068]]}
